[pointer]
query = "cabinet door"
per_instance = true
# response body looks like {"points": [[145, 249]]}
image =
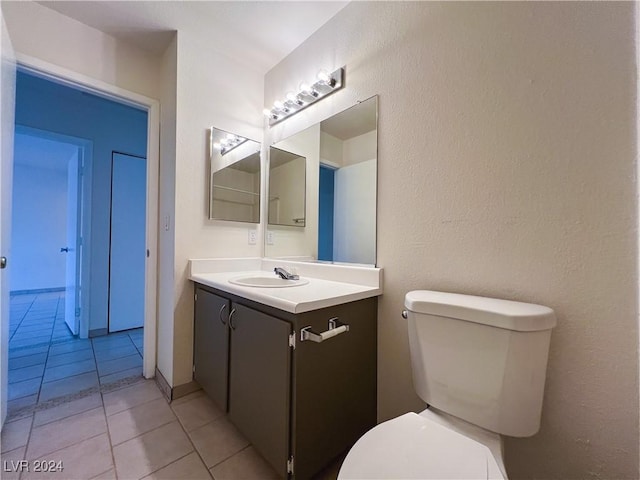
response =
{"points": [[259, 382], [211, 345]]}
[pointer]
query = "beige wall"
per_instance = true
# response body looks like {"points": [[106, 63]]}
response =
{"points": [[47, 35], [167, 202], [507, 141], [227, 95]]}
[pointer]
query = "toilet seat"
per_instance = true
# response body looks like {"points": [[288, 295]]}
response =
{"points": [[414, 447]]}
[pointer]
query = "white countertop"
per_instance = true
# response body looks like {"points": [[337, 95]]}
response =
{"points": [[323, 289]]}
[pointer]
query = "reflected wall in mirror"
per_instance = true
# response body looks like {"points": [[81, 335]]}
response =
{"points": [[341, 157], [234, 192], [287, 179]]}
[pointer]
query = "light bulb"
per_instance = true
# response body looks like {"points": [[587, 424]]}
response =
{"points": [[266, 112], [305, 88], [231, 137], [278, 104], [324, 77]]}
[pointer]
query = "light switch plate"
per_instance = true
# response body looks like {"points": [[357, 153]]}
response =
{"points": [[269, 237]]}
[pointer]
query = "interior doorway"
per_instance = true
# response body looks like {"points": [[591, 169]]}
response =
{"points": [[50, 222], [144, 343]]}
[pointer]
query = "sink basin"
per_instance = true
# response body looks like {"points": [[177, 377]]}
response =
{"points": [[267, 282]]}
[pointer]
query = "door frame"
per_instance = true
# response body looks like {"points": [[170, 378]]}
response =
{"points": [[85, 205], [64, 76]]}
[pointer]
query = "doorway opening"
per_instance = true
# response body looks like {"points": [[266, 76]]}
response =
{"points": [[74, 307]]}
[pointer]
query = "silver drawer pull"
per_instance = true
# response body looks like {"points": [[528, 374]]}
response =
{"points": [[335, 328]]}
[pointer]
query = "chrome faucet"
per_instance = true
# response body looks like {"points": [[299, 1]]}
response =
{"points": [[282, 273]]}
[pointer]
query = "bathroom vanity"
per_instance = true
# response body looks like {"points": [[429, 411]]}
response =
{"points": [[295, 368]]}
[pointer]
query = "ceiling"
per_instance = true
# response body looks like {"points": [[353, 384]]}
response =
{"points": [[39, 152], [355, 121], [258, 34]]}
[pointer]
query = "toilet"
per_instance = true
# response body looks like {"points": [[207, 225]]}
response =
{"points": [[480, 365]]}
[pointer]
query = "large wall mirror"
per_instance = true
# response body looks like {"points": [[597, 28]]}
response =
{"points": [[234, 192], [340, 154]]}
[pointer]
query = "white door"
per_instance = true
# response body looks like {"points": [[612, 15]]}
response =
{"points": [[7, 111], [73, 248], [127, 258]]}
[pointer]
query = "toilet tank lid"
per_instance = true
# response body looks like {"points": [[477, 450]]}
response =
{"points": [[518, 316]]}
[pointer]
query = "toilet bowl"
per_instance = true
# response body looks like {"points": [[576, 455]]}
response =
{"points": [[480, 364], [429, 445]]}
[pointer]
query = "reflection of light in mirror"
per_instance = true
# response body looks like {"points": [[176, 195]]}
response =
{"points": [[234, 193], [228, 143]]}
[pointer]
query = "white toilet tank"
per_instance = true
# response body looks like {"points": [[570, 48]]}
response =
{"points": [[480, 359]]}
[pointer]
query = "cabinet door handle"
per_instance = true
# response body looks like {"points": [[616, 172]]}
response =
{"points": [[220, 315], [336, 327], [233, 327]]}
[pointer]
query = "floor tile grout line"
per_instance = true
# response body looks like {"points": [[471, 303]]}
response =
{"points": [[229, 457], [61, 418], [136, 346], [26, 445], [171, 463], [45, 367], [50, 454], [142, 433], [65, 378], [104, 411], [195, 449], [138, 405], [102, 473], [23, 316]]}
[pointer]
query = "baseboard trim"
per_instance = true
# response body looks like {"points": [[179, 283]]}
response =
{"points": [[98, 332], [163, 385], [35, 291], [185, 389], [173, 393]]}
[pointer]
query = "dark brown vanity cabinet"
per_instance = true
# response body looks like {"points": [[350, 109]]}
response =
{"points": [[211, 345], [300, 403]]}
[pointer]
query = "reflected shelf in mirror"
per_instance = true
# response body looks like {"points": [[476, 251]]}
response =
{"points": [[234, 192]]}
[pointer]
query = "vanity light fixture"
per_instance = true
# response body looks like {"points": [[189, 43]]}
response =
{"points": [[325, 84], [228, 143]]}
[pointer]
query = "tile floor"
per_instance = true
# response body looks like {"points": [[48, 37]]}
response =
{"points": [[83, 406], [48, 365], [131, 433]]}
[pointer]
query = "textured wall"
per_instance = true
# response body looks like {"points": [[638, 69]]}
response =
{"points": [[507, 168], [227, 95]]}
